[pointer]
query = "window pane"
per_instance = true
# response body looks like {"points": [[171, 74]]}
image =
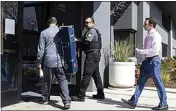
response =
{"points": [[8, 71], [174, 33], [164, 49], [10, 10], [125, 35], [166, 22], [174, 51], [30, 19]]}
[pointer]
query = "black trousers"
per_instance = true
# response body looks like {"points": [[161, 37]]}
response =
{"points": [[91, 69], [62, 82]]}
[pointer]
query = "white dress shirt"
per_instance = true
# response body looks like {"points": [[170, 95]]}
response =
{"points": [[152, 44]]}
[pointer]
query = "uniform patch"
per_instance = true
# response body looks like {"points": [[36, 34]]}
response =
{"points": [[89, 34]]}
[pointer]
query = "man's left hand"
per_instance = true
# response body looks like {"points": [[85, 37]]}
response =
{"points": [[39, 66], [137, 50], [76, 39]]}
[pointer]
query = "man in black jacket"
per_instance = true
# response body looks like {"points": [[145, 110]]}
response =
{"points": [[91, 44]]}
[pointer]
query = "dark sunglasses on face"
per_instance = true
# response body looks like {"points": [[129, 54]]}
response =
{"points": [[87, 22]]}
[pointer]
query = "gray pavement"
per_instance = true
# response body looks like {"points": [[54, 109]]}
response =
{"points": [[148, 99]]}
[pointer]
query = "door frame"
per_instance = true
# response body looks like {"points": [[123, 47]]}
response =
{"points": [[13, 96], [27, 57]]}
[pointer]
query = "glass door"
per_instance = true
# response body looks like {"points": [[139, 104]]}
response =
{"points": [[10, 62]]}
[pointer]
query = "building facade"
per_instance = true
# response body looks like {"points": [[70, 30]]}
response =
{"points": [[113, 19], [134, 16], [20, 48]]}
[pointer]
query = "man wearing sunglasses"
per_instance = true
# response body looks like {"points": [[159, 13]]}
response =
{"points": [[91, 45]]}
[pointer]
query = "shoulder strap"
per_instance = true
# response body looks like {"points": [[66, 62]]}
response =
{"points": [[98, 33], [96, 30]]}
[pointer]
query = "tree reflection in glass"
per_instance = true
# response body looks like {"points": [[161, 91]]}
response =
{"points": [[8, 70]]}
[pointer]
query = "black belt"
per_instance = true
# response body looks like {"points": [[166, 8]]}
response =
{"points": [[151, 57]]}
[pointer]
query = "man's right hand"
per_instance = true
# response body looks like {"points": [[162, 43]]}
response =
{"points": [[39, 66], [76, 39], [41, 73], [40, 70], [137, 50]]}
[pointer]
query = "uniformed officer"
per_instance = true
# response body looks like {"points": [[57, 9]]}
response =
{"points": [[49, 51], [91, 44], [150, 67]]}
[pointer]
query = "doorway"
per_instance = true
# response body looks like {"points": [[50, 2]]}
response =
{"points": [[36, 21], [69, 13], [10, 53]]}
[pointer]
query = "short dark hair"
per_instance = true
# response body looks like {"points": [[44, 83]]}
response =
{"points": [[151, 21], [91, 19], [52, 20]]}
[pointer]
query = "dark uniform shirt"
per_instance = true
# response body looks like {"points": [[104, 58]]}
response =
{"points": [[48, 48], [88, 35]]}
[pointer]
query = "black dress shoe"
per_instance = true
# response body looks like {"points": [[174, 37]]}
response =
{"points": [[67, 106], [163, 107], [77, 98], [130, 103], [98, 96]]}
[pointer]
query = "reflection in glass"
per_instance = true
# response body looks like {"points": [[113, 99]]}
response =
{"points": [[30, 19], [10, 9], [8, 71]]}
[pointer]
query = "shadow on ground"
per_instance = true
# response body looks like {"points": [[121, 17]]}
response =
{"points": [[37, 100], [119, 104], [141, 95]]}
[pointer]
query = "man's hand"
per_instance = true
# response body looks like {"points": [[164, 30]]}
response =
{"points": [[40, 70], [138, 50], [39, 66], [41, 73], [76, 39]]}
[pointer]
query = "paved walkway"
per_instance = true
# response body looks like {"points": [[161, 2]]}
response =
{"points": [[148, 99]]}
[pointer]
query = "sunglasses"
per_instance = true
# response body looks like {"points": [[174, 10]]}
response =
{"points": [[87, 22]]}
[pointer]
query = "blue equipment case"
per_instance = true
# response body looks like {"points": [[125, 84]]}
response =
{"points": [[69, 52]]}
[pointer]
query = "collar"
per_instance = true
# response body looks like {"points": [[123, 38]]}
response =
{"points": [[89, 28]]}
